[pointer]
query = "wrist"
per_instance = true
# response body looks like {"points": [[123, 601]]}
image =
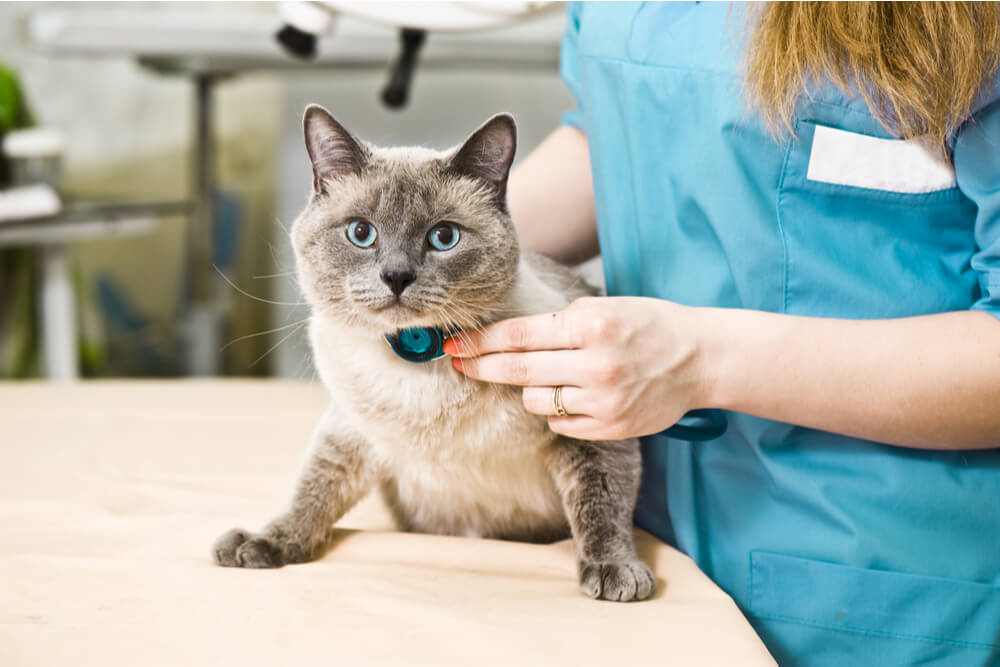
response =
{"points": [[718, 352]]}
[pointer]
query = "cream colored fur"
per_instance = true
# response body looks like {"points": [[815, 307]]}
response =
{"points": [[466, 456]]}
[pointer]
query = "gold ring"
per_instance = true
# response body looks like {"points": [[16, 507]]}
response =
{"points": [[557, 403]]}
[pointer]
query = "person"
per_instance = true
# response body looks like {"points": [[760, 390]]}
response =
{"points": [[798, 210]]}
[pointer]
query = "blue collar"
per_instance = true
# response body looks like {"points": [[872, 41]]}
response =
{"points": [[418, 345]]}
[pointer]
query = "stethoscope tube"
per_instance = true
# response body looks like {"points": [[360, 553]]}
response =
{"points": [[699, 426]]}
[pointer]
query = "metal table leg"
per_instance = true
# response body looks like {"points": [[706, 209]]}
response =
{"points": [[203, 315], [58, 314]]}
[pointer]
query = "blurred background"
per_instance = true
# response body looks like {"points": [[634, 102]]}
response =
{"points": [[152, 161]]}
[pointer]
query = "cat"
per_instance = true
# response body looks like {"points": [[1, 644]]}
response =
{"points": [[394, 238]]}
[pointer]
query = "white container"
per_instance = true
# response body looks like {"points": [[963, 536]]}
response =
{"points": [[34, 156]]}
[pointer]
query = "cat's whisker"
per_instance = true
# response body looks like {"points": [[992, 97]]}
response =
{"points": [[262, 333], [274, 275], [453, 311], [472, 285], [455, 298], [253, 296], [461, 316], [278, 222], [276, 345]]}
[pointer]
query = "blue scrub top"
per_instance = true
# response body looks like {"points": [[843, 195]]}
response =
{"points": [[840, 551]]}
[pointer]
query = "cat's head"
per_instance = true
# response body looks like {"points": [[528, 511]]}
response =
{"points": [[405, 237]]}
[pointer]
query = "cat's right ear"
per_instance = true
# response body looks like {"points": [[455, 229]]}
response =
{"points": [[332, 149]]}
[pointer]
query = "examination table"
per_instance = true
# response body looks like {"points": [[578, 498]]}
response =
{"points": [[112, 492]]}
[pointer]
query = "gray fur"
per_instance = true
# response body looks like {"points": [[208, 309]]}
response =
{"points": [[450, 455]]}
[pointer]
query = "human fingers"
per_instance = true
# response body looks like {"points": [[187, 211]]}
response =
{"points": [[542, 400], [547, 368], [551, 331], [584, 427]]}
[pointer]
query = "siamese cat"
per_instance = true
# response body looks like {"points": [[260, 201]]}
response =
{"points": [[402, 238]]}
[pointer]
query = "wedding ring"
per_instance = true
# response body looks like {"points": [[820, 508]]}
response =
{"points": [[557, 403]]}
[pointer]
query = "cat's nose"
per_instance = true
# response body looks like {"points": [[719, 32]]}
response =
{"points": [[398, 280]]}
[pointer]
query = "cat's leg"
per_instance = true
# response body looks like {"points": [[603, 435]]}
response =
{"points": [[598, 482], [337, 473]]}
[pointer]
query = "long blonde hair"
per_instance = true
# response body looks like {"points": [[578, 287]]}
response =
{"points": [[920, 66]]}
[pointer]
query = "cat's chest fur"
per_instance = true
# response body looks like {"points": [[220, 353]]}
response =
{"points": [[420, 409], [462, 457]]}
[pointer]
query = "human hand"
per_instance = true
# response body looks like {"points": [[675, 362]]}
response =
{"points": [[629, 366]]}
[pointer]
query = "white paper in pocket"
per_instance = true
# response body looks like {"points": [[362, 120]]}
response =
{"points": [[895, 165]]}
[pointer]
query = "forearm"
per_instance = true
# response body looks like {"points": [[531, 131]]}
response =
{"points": [[930, 382], [551, 198]]}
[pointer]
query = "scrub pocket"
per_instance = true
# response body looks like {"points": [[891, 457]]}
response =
{"points": [[841, 615], [872, 227]]}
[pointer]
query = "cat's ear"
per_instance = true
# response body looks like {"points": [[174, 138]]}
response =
{"points": [[488, 153], [332, 149]]}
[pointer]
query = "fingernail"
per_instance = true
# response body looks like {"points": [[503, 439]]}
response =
{"points": [[452, 346], [457, 363]]}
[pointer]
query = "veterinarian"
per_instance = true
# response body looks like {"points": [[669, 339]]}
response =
{"points": [[798, 209]]}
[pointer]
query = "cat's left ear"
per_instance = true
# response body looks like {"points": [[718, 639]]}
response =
{"points": [[488, 153], [332, 149]]}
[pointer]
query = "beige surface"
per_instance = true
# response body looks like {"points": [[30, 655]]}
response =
{"points": [[112, 493]]}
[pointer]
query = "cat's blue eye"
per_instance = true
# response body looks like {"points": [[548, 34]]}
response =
{"points": [[361, 233], [444, 236]]}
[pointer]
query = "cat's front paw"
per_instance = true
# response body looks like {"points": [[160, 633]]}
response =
{"points": [[239, 548], [624, 581]]}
